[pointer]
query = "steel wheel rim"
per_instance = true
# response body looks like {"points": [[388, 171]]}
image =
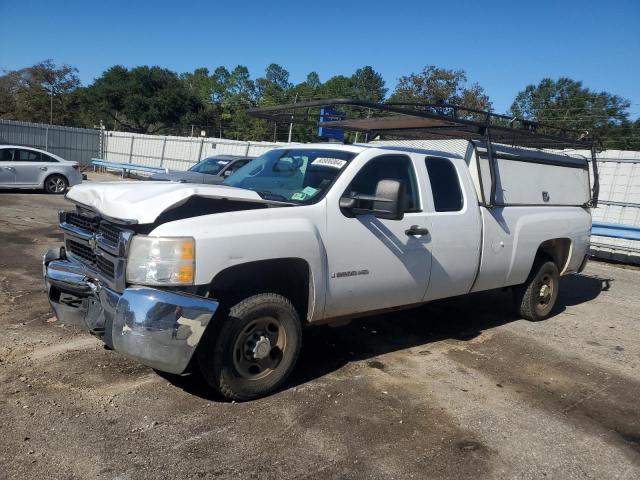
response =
{"points": [[258, 336], [546, 290], [56, 185]]}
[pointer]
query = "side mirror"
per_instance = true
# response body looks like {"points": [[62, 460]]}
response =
{"points": [[390, 198], [387, 203]]}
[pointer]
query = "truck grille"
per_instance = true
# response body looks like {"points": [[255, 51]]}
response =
{"points": [[82, 251], [105, 266], [80, 221], [109, 233], [97, 243]]}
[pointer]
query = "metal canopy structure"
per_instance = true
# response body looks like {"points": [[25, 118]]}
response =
{"points": [[427, 121], [432, 122]]}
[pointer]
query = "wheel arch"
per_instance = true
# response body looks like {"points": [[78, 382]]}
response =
{"points": [[54, 174], [290, 277], [558, 250]]}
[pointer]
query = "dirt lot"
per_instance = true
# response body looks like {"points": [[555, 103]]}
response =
{"points": [[458, 389]]}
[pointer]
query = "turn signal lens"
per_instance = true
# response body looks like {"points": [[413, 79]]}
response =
{"points": [[187, 250], [186, 274]]}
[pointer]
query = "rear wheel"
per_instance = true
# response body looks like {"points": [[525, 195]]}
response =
{"points": [[252, 351], [55, 184], [536, 297]]}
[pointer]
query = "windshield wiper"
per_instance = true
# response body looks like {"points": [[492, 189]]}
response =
{"points": [[268, 195]]}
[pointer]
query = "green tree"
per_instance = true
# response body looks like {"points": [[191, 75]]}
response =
{"points": [[337, 87], [144, 99], [367, 84], [439, 85], [566, 103], [274, 88], [43, 92]]}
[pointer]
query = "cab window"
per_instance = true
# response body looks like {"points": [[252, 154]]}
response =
{"points": [[445, 185], [394, 167]]}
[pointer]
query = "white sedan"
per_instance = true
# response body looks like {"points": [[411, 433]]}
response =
{"points": [[26, 167]]}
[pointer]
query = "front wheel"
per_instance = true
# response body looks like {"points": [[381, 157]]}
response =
{"points": [[537, 296], [252, 351], [55, 184]]}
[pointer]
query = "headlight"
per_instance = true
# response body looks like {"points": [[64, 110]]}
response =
{"points": [[161, 260]]}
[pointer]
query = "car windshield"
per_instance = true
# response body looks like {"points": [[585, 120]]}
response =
{"points": [[294, 175], [211, 166]]}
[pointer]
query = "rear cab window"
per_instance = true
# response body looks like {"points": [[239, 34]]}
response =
{"points": [[445, 185]]}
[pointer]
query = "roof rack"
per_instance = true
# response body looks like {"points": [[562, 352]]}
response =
{"points": [[434, 121]]}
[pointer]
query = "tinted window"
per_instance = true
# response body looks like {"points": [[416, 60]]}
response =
{"points": [[447, 195], [210, 166], [394, 167], [47, 158], [6, 155], [26, 156], [235, 166]]}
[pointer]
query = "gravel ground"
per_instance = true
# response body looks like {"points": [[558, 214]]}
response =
{"points": [[460, 388]]}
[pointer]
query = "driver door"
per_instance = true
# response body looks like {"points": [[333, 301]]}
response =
{"points": [[375, 263]]}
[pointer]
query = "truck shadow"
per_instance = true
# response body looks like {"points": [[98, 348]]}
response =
{"points": [[326, 349]]}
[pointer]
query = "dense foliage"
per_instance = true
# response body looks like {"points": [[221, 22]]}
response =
{"points": [[156, 100]]}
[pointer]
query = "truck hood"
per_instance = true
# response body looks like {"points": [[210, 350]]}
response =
{"points": [[143, 202]]}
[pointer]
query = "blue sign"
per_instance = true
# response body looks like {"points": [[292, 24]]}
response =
{"points": [[331, 115]]}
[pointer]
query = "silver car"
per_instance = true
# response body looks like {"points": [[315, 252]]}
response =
{"points": [[26, 167], [210, 170]]}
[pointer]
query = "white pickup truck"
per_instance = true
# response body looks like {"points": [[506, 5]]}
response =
{"points": [[222, 278]]}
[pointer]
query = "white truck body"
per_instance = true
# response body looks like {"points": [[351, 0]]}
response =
{"points": [[357, 263]]}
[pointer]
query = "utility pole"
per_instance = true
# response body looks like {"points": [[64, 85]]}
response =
{"points": [[51, 106], [291, 124]]}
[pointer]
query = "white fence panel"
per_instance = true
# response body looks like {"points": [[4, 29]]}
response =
{"points": [[174, 153]]}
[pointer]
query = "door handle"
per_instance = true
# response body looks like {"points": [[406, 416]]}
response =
{"points": [[44, 169], [416, 230]]}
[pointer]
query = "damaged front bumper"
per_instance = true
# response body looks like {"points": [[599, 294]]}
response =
{"points": [[159, 328]]}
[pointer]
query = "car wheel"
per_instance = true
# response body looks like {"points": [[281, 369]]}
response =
{"points": [[55, 184], [251, 352], [536, 297]]}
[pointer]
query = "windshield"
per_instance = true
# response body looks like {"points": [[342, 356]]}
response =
{"points": [[294, 175], [212, 166]]}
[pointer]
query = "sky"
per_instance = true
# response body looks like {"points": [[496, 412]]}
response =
{"points": [[502, 45]]}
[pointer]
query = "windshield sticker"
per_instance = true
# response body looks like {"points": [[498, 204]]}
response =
{"points": [[298, 196], [329, 162], [310, 191], [223, 162]]}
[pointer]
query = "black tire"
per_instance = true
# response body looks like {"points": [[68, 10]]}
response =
{"points": [[55, 184], [232, 356], [536, 297]]}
